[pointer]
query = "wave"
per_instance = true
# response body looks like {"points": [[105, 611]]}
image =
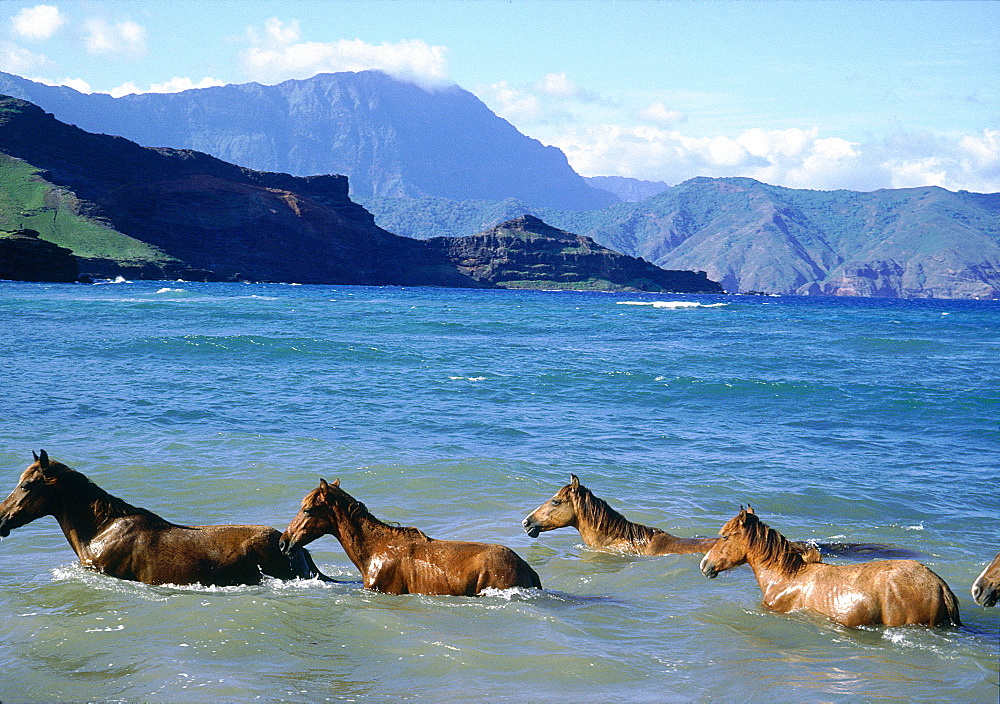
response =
{"points": [[672, 305]]}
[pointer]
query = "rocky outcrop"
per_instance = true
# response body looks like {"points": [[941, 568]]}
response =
{"points": [[26, 257], [527, 253]]}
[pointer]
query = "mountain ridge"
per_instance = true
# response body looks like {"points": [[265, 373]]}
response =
{"points": [[389, 137]]}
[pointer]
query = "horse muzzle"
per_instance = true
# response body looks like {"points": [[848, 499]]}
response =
{"points": [[530, 527], [4, 528], [979, 595], [708, 569], [285, 544]]}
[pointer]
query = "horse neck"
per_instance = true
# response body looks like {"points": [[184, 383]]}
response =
{"points": [[772, 558], [86, 510], [599, 524], [361, 534]]}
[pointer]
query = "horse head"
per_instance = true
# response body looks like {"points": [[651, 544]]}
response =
{"points": [[315, 517], [32, 498], [557, 512], [731, 548]]}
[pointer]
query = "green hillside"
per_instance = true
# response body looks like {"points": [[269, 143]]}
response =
{"points": [[27, 200]]}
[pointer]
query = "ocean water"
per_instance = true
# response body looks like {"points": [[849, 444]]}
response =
{"points": [[459, 412]]}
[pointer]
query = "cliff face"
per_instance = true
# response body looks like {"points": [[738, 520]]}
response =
{"points": [[527, 253], [198, 215], [391, 138], [26, 257]]}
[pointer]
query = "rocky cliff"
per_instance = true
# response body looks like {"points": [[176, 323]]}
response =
{"points": [[527, 253], [24, 256], [389, 137]]}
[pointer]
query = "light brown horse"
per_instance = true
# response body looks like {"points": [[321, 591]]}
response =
{"points": [[601, 526], [986, 588], [118, 539], [398, 560], [883, 592]]}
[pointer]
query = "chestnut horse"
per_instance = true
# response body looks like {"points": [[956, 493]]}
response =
{"points": [[883, 592], [115, 538], [986, 588], [399, 560], [601, 526]]}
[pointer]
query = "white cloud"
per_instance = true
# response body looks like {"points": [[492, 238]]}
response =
{"points": [[18, 60], [124, 37], [558, 85], [796, 158], [174, 85], [278, 54], [39, 22], [658, 112], [77, 84]]}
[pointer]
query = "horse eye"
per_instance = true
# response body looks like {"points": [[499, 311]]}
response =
{"points": [[556, 502], [309, 511]]}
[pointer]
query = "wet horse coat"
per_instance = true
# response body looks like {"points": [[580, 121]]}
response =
{"points": [[882, 592], [118, 539], [399, 560]]}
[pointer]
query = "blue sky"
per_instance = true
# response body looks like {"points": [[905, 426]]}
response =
{"points": [[831, 94]]}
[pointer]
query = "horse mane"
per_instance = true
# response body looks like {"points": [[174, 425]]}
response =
{"points": [[774, 549], [106, 506], [607, 520], [357, 509]]}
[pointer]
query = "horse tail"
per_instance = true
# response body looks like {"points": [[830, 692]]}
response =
{"points": [[304, 567], [950, 604]]}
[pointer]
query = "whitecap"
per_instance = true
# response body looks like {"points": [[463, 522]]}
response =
{"points": [[672, 305]]}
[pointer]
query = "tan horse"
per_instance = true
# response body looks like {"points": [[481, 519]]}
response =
{"points": [[883, 592], [986, 588], [120, 540], [601, 526], [398, 560]]}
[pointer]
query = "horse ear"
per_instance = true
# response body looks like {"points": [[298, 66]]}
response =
{"points": [[43, 459], [35, 455], [750, 509], [574, 482], [322, 483], [336, 482]]}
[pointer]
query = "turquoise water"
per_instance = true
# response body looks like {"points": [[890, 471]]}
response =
{"points": [[459, 412]]}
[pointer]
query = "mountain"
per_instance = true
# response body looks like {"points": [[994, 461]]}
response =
{"points": [[389, 137], [107, 206], [630, 190], [527, 253], [750, 236], [156, 213]]}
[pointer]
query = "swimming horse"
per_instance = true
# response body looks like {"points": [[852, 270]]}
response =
{"points": [[882, 592], [115, 538], [398, 560], [986, 588], [601, 526]]}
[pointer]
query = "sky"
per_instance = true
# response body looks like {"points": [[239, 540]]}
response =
{"points": [[821, 95]]}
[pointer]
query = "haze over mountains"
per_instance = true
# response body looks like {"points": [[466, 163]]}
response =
{"points": [[431, 163]]}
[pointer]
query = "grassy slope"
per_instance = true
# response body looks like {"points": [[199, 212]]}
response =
{"points": [[28, 201]]}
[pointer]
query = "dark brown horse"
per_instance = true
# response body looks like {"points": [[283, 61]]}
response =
{"points": [[398, 560], [986, 588], [883, 592], [121, 540], [601, 526]]}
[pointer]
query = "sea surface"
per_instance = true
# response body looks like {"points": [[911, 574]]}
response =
{"points": [[459, 412]]}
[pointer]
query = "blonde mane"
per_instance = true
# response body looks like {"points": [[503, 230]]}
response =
{"points": [[356, 510], [770, 546], [607, 520]]}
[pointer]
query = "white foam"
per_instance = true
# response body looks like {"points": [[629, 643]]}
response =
{"points": [[672, 305]]}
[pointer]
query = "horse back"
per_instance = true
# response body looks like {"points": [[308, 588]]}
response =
{"points": [[164, 553], [447, 567]]}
